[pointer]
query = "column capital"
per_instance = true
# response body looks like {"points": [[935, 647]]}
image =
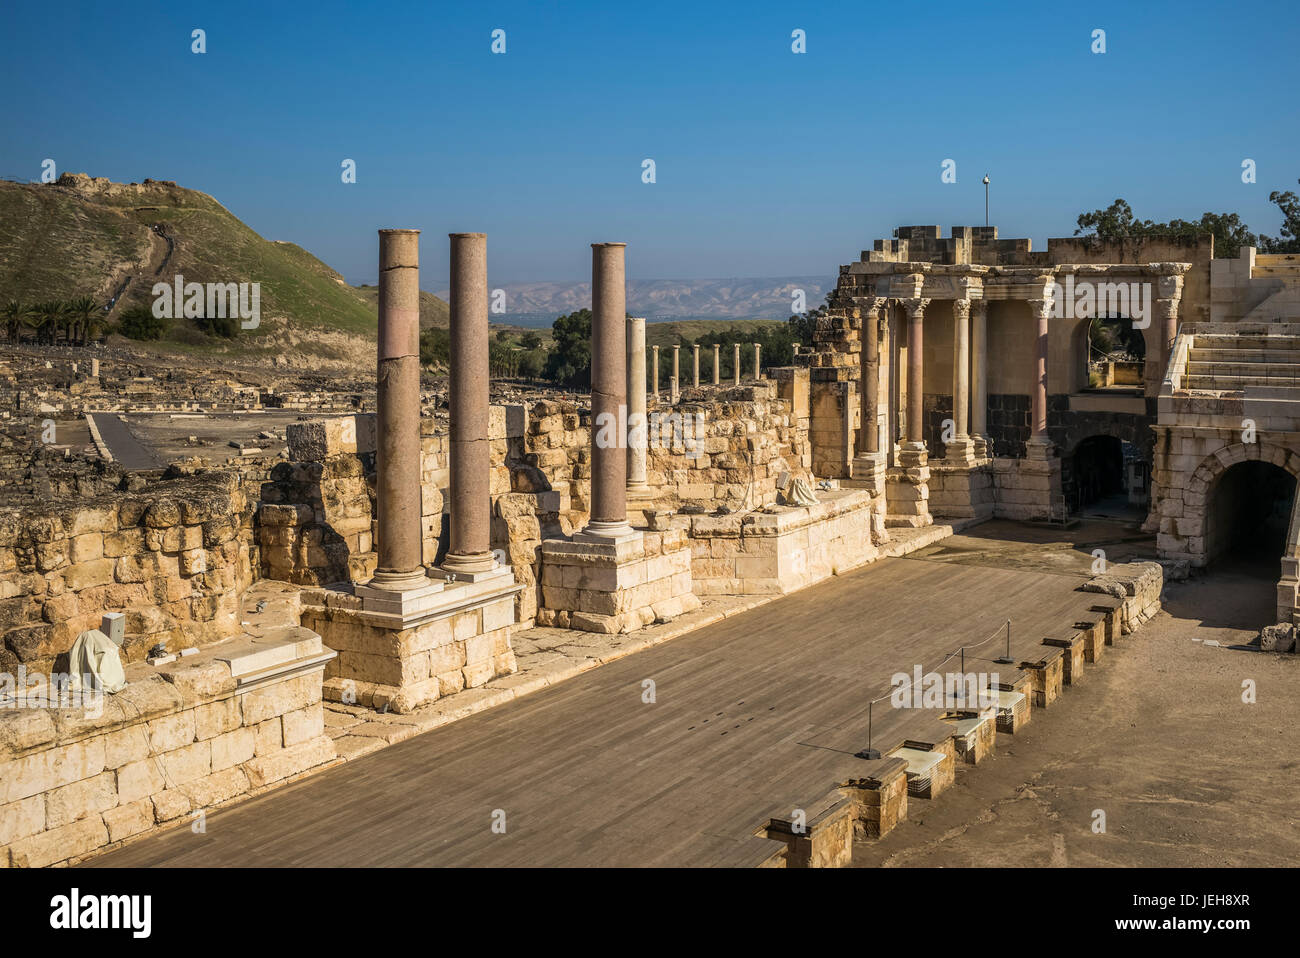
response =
{"points": [[979, 307], [1170, 287], [961, 309], [915, 306], [874, 305], [1041, 307]]}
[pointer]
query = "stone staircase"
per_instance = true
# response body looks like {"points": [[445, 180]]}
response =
{"points": [[1257, 356]]}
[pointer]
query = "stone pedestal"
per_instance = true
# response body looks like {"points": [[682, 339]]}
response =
{"points": [[961, 490], [907, 489], [612, 587], [402, 661]]}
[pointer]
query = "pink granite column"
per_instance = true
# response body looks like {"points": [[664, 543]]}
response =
{"points": [[400, 560], [608, 393], [469, 551], [695, 365], [979, 377], [915, 371], [869, 437]]}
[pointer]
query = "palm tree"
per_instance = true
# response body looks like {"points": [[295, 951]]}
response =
{"points": [[13, 313], [84, 312]]}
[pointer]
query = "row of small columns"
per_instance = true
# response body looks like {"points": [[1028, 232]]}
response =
{"points": [[674, 382]]}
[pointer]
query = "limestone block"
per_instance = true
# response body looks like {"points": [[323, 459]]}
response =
{"points": [[79, 800], [59, 844], [124, 821]]}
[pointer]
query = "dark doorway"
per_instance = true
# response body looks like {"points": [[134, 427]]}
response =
{"points": [[1248, 516], [1098, 469]]}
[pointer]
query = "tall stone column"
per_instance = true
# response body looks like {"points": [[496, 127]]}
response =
{"points": [[869, 435], [674, 386], [400, 565], [717, 350], [915, 372], [469, 552], [654, 362], [961, 449], [636, 410], [695, 365], [608, 394], [980, 377], [758, 363], [1039, 444], [736, 371]]}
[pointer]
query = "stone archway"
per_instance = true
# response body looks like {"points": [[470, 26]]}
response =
{"points": [[1208, 503]]}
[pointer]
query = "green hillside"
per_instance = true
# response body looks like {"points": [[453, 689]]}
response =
{"points": [[90, 237]]}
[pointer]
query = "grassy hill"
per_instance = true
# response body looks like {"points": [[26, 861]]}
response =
{"points": [[83, 236]]}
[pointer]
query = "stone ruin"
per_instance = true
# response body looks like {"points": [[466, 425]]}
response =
{"points": [[388, 558]]}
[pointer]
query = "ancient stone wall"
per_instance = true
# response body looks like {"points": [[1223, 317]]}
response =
{"points": [[182, 738], [174, 558]]}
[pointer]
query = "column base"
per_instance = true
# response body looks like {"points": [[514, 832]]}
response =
{"points": [[399, 606], [981, 446], [867, 471], [460, 573], [907, 488], [606, 532], [961, 451], [465, 566], [1038, 448]]}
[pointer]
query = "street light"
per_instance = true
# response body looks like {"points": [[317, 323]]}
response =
{"points": [[986, 199]]}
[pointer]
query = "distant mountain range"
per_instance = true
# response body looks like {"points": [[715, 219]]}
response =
{"points": [[529, 304]]}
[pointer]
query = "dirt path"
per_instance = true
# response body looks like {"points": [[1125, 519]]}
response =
{"points": [[1157, 737]]}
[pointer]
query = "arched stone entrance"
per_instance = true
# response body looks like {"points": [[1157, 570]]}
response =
{"points": [[1240, 504]]}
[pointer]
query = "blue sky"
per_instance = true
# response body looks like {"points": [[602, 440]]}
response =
{"points": [[768, 163]]}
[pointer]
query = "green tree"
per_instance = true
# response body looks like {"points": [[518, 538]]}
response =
{"points": [[569, 362], [1289, 240], [13, 314], [530, 340], [85, 316], [435, 347], [140, 323], [1117, 224]]}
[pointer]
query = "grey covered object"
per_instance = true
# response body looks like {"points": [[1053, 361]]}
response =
{"points": [[94, 663]]}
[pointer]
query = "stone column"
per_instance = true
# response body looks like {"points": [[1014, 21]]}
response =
{"points": [[674, 386], [717, 351], [736, 371], [1169, 290], [608, 394], [869, 435], [915, 372], [980, 377], [654, 361], [400, 565], [469, 552], [961, 449], [695, 365], [636, 409], [758, 363], [1041, 309]]}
